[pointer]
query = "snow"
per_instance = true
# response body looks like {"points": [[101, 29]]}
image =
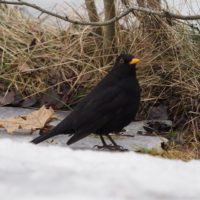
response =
{"points": [[43, 172]]}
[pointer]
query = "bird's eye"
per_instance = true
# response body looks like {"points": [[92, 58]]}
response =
{"points": [[121, 60]]}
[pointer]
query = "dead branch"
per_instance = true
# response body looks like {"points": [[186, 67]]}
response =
{"points": [[164, 14]]}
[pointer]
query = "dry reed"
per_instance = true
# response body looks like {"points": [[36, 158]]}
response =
{"points": [[37, 57]]}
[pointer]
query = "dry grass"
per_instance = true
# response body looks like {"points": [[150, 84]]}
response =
{"points": [[35, 58], [177, 152]]}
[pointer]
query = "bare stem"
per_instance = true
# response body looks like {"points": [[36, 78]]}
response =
{"points": [[164, 14]]}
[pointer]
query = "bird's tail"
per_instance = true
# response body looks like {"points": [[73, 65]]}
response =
{"points": [[43, 137], [62, 128]]}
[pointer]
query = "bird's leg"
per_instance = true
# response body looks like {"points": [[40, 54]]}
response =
{"points": [[115, 145], [103, 141], [104, 146]]}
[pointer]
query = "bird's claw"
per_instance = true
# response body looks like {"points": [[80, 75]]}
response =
{"points": [[110, 147]]}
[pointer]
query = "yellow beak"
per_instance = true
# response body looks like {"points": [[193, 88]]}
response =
{"points": [[134, 61]]}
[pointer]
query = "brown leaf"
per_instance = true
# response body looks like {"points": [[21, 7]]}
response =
{"points": [[39, 118], [29, 102], [158, 112], [35, 120], [18, 99], [11, 124], [51, 98], [7, 99]]}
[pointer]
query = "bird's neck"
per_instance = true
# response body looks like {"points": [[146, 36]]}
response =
{"points": [[124, 73]]}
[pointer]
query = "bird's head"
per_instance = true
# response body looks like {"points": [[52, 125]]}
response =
{"points": [[125, 64]]}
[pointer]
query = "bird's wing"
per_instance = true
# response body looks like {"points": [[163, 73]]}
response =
{"points": [[97, 111]]}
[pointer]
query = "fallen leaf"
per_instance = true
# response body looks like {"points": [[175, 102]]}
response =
{"points": [[158, 112], [34, 120], [7, 99], [29, 102], [11, 124], [51, 98], [39, 118], [18, 99]]}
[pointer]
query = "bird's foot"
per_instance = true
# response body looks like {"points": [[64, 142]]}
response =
{"points": [[111, 147]]}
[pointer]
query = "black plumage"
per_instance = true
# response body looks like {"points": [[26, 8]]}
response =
{"points": [[108, 108]]}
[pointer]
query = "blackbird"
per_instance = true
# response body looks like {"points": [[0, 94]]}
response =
{"points": [[108, 108]]}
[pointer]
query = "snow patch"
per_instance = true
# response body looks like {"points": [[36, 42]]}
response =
{"points": [[29, 171]]}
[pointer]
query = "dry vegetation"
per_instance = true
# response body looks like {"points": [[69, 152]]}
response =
{"points": [[185, 152], [65, 64]]}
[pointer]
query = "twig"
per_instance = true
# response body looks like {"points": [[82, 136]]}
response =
{"points": [[164, 14]]}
